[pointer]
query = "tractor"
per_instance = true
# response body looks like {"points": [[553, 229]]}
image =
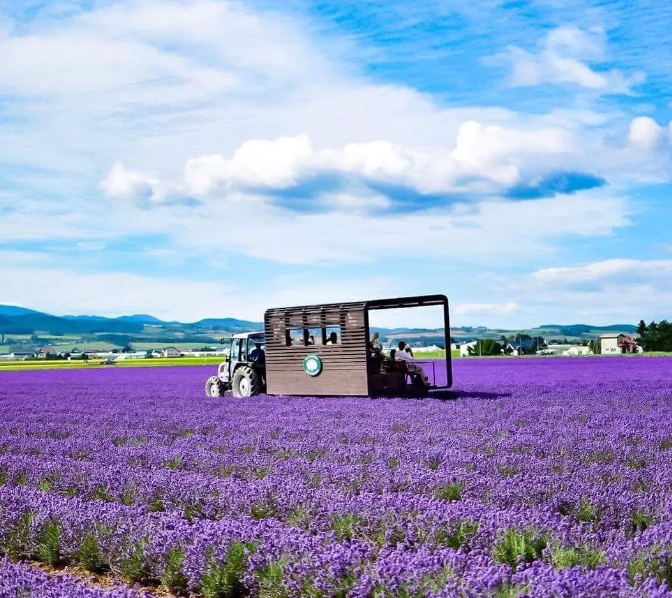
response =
{"points": [[243, 373], [324, 350]]}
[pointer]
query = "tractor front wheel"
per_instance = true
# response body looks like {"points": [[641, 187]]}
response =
{"points": [[214, 387], [246, 382]]}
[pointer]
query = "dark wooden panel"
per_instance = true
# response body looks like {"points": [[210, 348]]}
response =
{"points": [[330, 382], [344, 369]]}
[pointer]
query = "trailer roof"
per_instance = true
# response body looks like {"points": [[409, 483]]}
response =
{"points": [[394, 303], [258, 333]]}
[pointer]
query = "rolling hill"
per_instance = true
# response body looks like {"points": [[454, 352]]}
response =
{"points": [[18, 323]]}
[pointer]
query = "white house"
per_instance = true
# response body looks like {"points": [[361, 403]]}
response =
{"points": [[171, 352], [464, 348], [612, 344]]}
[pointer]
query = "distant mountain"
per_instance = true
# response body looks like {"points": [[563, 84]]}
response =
{"points": [[15, 310], [85, 318], [135, 319], [580, 329], [19, 320], [33, 323], [141, 318], [228, 324]]}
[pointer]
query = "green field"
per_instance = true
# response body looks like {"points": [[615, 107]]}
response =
{"points": [[34, 364], [441, 354], [146, 346]]}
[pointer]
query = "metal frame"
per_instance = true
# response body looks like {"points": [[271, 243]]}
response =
{"points": [[347, 366], [418, 301]]}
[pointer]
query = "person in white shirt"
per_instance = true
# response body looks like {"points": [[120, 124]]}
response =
{"points": [[412, 367]]}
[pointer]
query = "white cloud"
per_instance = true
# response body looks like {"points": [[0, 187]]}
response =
{"points": [[480, 155], [563, 59], [598, 275], [121, 69], [121, 183], [157, 52], [376, 159], [257, 163], [485, 308], [645, 133], [603, 292], [497, 152]]}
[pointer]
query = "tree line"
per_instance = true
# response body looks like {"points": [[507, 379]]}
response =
{"points": [[655, 336]]}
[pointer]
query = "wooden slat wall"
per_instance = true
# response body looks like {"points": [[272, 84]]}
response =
{"points": [[343, 365]]}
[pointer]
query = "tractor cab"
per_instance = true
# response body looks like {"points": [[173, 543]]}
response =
{"points": [[243, 373]]}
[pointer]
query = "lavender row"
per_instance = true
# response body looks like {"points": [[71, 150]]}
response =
{"points": [[18, 581], [213, 557]]}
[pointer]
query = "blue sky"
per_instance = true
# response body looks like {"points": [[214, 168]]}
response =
{"points": [[212, 158]]}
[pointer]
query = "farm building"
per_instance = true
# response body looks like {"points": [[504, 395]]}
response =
{"points": [[171, 352], [611, 344]]}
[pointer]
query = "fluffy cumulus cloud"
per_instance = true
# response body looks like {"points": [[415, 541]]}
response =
{"points": [[479, 161], [482, 157], [257, 163], [564, 57]]}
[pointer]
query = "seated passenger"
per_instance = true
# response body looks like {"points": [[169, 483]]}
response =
{"points": [[333, 339], [402, 355]]}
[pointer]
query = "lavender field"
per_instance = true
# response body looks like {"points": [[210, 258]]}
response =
{"points": [[546, 477]]}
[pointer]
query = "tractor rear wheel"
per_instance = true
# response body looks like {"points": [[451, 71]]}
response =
{"points": [[214, 387], [246, 382]]}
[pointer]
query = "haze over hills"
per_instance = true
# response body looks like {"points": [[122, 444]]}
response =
{"points": [[15, 320], [18, 320]]}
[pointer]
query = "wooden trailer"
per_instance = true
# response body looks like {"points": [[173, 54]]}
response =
{"points": [[321, 350]]}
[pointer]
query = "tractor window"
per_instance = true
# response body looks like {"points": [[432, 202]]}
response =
{"points": [[235, 348], [333, 335], [252, 344], [315, 336]]}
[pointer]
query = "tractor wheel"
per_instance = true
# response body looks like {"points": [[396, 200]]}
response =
{"points": [[246, 382], [214, 387]]}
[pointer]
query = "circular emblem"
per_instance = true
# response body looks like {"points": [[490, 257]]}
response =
{"points": [[312, 365]]}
